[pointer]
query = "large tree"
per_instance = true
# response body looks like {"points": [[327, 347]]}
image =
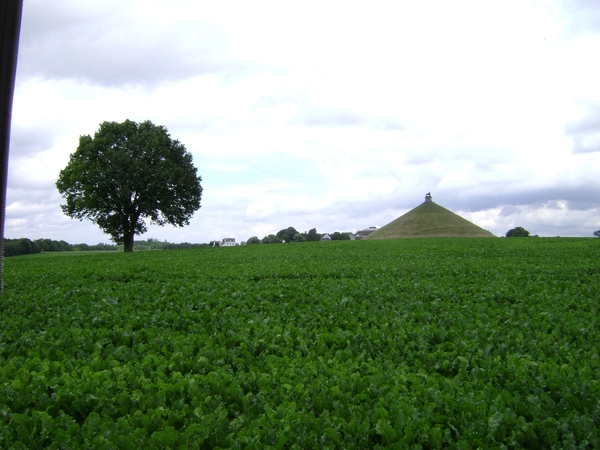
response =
{"points": [[127, 173]]}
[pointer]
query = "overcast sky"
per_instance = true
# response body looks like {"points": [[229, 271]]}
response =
{"points": [[327, 115]]}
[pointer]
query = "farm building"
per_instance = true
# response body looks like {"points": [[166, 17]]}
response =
{"points": [[364, 233]]}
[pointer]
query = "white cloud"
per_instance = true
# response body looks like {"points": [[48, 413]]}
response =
{"points": [[336, 116]]}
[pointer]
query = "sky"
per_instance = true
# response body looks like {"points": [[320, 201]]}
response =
{"points": [[329, 115]]}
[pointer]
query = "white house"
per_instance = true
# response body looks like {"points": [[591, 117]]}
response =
{"points": [[228, 242]]}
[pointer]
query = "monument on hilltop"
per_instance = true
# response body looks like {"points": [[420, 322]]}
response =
{"points": [[429, 220]]}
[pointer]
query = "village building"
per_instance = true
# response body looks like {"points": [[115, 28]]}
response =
{"points": [[228, 242], [364, 233]]}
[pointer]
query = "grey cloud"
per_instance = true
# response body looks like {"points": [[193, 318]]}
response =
{"points": [[529, 219], [578, 196], [586, 144], [509, 210], [581, 16], [348, 215], [390, 125], [28, 141], [342, 216], [420, 158], [333, 119], [589, 123], [42, 224], [357, 211], [31, 191], [270, 101], [586, 131], [515, 210], [105, 48], [342, 118], [216, 125], [483, 156], [33, 207]]}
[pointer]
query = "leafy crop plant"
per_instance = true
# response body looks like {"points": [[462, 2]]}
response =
{"points": [[424, 343]]}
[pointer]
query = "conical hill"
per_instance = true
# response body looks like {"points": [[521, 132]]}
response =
{"points": [[429, 220]]}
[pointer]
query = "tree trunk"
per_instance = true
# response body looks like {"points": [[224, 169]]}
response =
{"points": [[128, 242], [129, 228]]}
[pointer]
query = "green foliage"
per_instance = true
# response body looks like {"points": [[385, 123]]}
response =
{"points": [[517, 232], [299, 237], [337, 236], [14, 247], [312, 235], [23, 246], [290, 234], [271, 239], [127, 173], [94, 248], [155, 244], [436, 343], [287, 234]]}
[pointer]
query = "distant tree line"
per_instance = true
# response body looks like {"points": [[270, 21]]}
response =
{"points": [[290, 234], [24, 246], [155, 244], [337, 236]]}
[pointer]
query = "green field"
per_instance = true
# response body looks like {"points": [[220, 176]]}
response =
{"points": [[412, 343]]}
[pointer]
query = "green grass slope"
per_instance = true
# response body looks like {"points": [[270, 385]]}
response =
{"points": [[429, 220]]}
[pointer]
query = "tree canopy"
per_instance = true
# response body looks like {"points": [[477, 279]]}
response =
{"points": [[312, 235], [127, 173], [287, 234], [271, 239], [517, 232]]}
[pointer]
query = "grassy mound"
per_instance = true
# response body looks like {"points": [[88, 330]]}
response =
{"points": [[429, 220]]}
